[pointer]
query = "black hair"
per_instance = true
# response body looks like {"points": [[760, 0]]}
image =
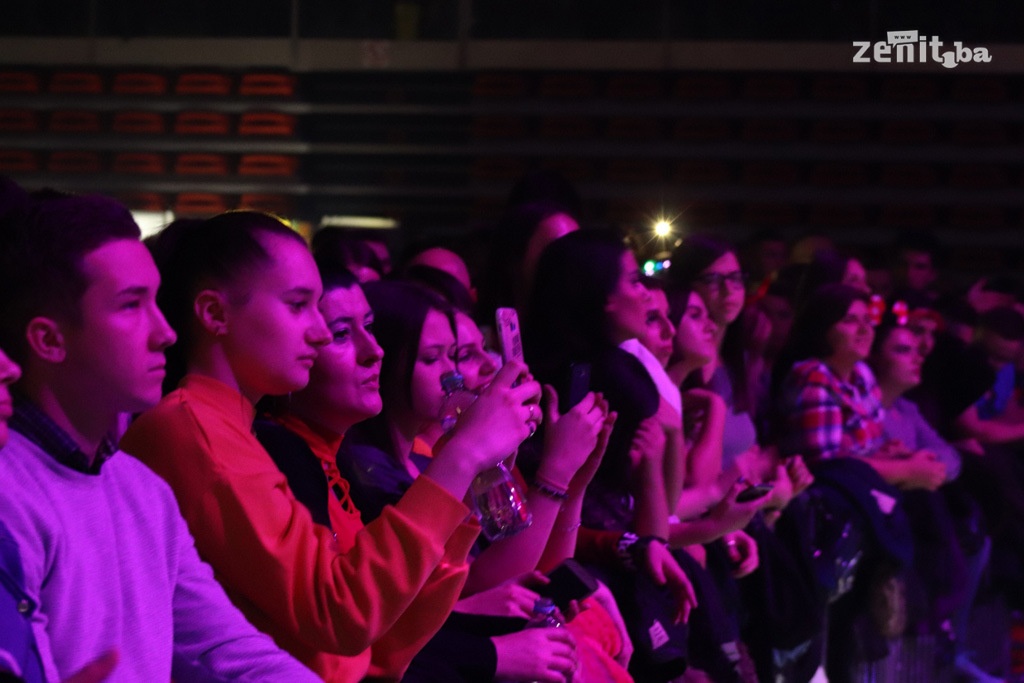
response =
{"points": [[341, 247], [399, 311], [1004, 321], [809, 336], [888, 324], [567, 323], [193, 254], [566, 319], [1003, 283], [923, 241], [547, 187], [692, 257], [44, 238], [788, 282], [334, 276], [444, 284], [504, 272]]}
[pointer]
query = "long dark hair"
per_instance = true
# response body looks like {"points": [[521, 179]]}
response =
{"points": [[509, 240], [692, 257], [567, 323], [809, 335], [193, 254], [399, 310], [678, 297], [566, 320]]}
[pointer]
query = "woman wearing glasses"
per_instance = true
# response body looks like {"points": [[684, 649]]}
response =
{"points": [[710, 268]]}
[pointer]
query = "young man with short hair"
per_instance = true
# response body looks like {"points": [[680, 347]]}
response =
{"points": [[105, 552]]}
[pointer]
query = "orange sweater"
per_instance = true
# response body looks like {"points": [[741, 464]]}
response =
{"points": [[323, 599]]}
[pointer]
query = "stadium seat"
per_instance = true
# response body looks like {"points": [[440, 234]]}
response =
{"points": [[139, 83]]}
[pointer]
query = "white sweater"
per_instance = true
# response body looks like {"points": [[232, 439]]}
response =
{"points": [[110, 562]]}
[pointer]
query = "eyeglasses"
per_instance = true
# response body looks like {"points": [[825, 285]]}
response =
{"points": [[736, 278]]}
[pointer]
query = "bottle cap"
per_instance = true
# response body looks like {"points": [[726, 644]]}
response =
{"points": [[452, 381], [544, 606]]}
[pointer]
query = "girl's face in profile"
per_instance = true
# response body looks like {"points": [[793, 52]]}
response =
{"points": [[851, 337], [434, 357], [272, 327], [899, 360], [475, 364], [695, 334], [627, 305], [660, 331]]}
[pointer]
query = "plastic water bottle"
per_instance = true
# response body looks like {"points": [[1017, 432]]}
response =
{"points": [[497, 500], [545, 615]]}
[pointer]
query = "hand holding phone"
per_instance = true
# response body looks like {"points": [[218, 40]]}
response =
{"points": [[754, 492], [577, 386], [567, 582]]}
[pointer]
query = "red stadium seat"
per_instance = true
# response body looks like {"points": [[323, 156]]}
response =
{"points": [[74, 162], [67, 121], [20, 82], [76, 83], [195, 204], [138, 123], [266, 123], [139, 83], [266, 85], [268, 164], [201, 164], [140, 163], [202, 123], [18, 121], [18, 161], [210, 84]]}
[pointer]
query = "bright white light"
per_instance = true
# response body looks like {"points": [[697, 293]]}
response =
{"points": [[152, 222], [371, 222], [663, 228]]}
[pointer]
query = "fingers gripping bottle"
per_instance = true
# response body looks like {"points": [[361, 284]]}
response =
{"points": [[545, 615], [497, 500]]}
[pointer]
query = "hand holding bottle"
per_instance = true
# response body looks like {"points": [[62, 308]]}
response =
{"points": [[502, 417]]}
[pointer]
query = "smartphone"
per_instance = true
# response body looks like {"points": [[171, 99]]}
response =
{"points": [[569, 581], [753, 493], [509, 337], [577, 385]]}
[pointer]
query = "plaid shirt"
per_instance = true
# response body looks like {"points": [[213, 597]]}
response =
{"points": [[826, 417], [36, 426]]}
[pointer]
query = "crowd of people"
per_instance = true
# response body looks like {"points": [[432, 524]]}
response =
{"points": [[223, 453]]}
